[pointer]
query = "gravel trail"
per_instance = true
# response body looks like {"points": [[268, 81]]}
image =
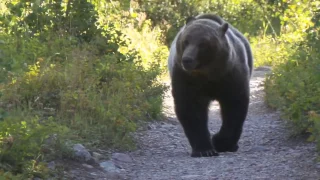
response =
{"points": [[266, 149]]}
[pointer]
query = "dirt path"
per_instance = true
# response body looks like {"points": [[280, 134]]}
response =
{"points": [[266, 149]]}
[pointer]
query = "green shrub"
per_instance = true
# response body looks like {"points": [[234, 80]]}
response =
{"points": [[273, 51], [101, 97], [171, 15], [267, 51], [294, 88], [18, 53], [87, 77], [24, 144], [147, 41]]}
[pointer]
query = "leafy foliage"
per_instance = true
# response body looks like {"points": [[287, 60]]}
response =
{"points": [[24, 144], [171, 15], [97, 96], [294, 86], [69, 65]]}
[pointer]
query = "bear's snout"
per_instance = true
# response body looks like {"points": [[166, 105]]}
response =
{"points": [[189, 63]]}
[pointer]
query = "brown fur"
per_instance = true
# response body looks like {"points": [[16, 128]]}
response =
{"points": [[210, 60]]}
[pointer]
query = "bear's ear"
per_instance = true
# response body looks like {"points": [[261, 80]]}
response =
{"points": [[224, 27], [189, 19]]}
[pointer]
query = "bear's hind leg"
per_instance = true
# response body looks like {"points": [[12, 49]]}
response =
{"points": [[234, 111], [192, 112]]}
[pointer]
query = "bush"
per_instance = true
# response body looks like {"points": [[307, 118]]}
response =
{"points": [[147, 41], [267, 51], [294, 88], [98, 96], [270, 51], [74, 66], [171, 15], [18, 53], [24, 144]]}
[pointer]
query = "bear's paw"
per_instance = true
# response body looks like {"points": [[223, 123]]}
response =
{"points": [[222, 144], [207, 153]]}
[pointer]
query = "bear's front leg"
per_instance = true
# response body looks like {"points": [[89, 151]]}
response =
{"points": [[192, 112], [234, 110]]}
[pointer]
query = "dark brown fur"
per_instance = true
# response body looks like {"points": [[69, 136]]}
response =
{"points": [[210, 60]]}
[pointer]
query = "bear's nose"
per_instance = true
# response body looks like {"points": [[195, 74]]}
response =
{"points": [[188, 63]]}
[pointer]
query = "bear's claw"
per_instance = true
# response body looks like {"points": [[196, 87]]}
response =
{"points": [[207, 153]]}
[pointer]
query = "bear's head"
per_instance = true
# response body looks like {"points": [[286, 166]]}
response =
{"points": [[203, 46]]}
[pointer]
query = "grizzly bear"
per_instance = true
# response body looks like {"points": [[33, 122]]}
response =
{"points": [[210, 60]]}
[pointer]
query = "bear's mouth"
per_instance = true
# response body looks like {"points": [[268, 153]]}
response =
{"points": [[198, 72], [195, 68], [200, 69]]}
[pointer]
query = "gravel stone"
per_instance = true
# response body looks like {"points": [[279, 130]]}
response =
{"points": [[121, 157], [81, 153]]}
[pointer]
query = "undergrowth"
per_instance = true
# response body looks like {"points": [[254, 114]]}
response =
{"points": [[95, 92], [27, 142], [100, 98], [294, 86]]}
